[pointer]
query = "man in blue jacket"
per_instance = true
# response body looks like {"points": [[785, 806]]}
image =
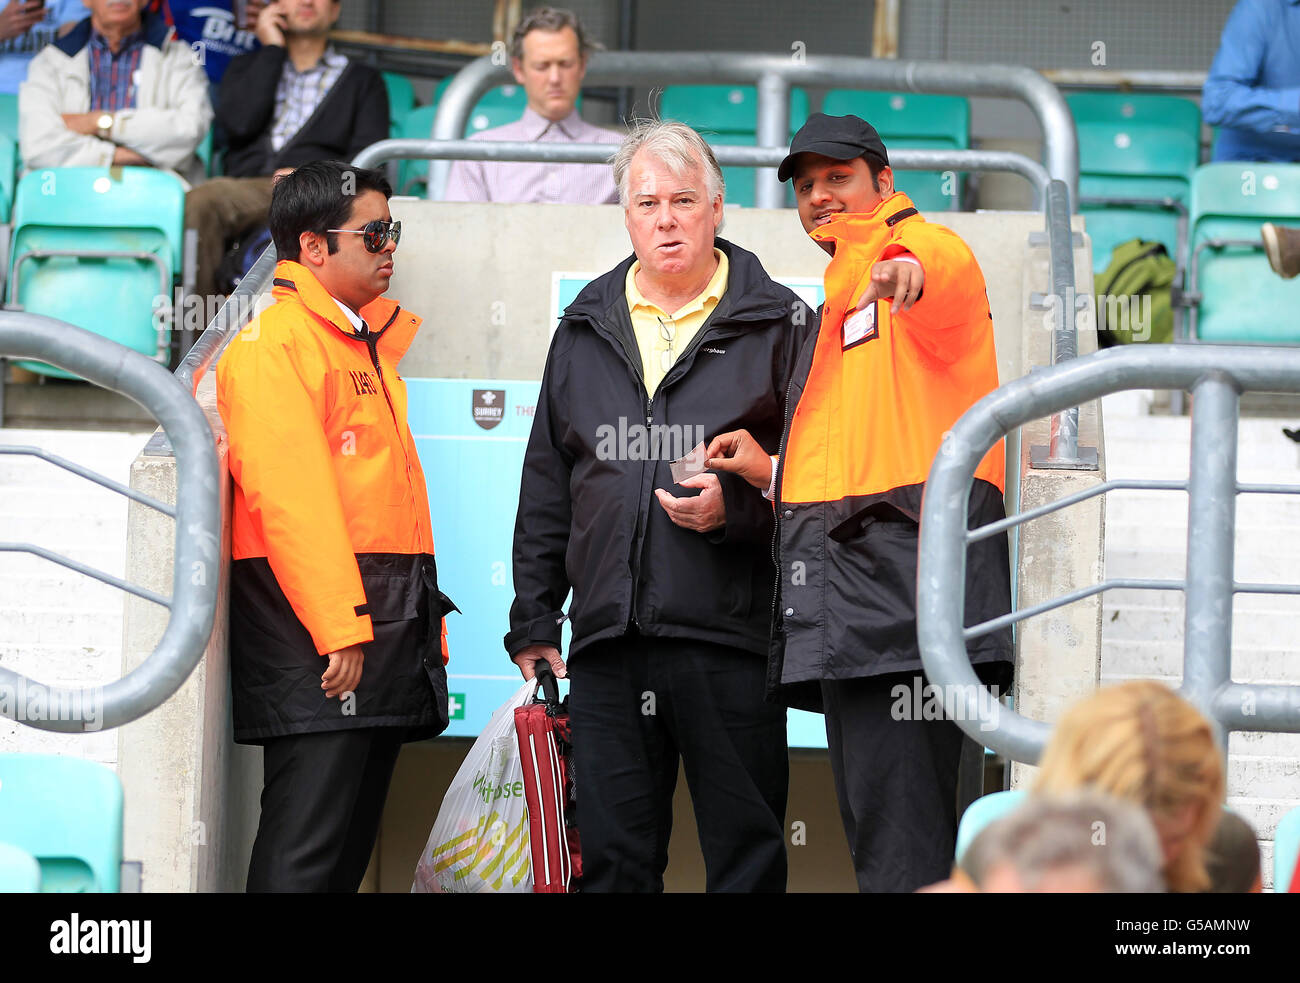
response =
{"points": [[1252, 92]]}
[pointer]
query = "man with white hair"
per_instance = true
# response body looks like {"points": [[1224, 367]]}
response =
{"points": [[669, 564]]}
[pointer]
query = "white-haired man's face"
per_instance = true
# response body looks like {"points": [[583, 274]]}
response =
{"points": [[670, 218]]}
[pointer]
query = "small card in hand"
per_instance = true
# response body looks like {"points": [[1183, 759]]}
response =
{"points": [[690, 465]]}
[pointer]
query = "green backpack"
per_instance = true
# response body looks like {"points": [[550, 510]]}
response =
{"points": [[1138, 269]]}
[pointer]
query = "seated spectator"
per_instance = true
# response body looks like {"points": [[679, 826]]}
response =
{"points": [[1232, 858], [1085, 843], [116, 89], [549, 58], [216, 29], [293, 101], [26, 27], [1143, 742], [1252, 91]]}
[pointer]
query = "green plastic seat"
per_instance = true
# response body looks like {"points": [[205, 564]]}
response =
{"points": [[1134, 145], [19, 871], [983, 811], [401, 100], [913, 121], [83, 210], [504, 104], [1241, 300], [730, 110], [67, 814], [1286, 850], [8, 176], [413, 175], [9, 115]]}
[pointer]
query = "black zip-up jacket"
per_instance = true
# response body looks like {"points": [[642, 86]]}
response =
{"points": [[352, 116], [588, 517]]}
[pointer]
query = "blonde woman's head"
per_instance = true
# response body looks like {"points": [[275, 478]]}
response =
{"points": [[1143, 742]]}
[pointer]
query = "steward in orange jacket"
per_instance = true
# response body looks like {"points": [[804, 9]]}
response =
{"points": [[332, 543], [873, 397], [904, 347]]}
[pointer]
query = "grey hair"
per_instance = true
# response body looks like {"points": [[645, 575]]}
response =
{"points": [[552, 20], [1111, 839], [675, 145]]}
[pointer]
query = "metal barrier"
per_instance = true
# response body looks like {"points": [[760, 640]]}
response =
{"points": [[1216, 376], [198, 527], [728, 155], [773, 75]]}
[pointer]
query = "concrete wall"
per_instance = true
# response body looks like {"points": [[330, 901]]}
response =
{"points": [[191, 792]]}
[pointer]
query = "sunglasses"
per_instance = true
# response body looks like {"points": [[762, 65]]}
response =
{"points": [[377, 234]]}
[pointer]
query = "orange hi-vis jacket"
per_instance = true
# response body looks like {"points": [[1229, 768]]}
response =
{"points": [[332, 543], [873, 395]]}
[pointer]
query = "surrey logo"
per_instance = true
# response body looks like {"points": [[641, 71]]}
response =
{"points": [[489, 407]]}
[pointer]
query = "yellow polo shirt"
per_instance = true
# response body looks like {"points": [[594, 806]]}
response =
{"points": [[684, 324]]}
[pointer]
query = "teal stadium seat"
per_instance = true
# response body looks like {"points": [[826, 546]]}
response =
{"points": [[133, 217], [727, 115], [913, 121], [496, 108], [401, 100], [9, 114], [1135, 146], [19, 871], [8, 176], [1286, 850], [67, 814], [1233, 294], [983, 811]]}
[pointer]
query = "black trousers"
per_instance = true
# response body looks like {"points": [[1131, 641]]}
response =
{"points": [[896, 780], [637, 706], [322, 799]]}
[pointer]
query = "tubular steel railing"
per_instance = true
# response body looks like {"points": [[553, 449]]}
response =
{"points": [[193, 600], [1216, 377], [773, 75]]}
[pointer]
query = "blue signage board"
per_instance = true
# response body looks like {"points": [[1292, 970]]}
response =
{"points": [[471, 435]]}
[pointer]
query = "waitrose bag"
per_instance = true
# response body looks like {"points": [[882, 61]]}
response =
{"points": [[480, 841]]}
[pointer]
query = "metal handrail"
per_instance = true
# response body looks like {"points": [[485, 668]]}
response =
{"points": [[773, 75], [1216, 376], [193, 600], [728, 155]]}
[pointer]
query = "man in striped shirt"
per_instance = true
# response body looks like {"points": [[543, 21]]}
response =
{"points": [[549, 58], [293, 101]]}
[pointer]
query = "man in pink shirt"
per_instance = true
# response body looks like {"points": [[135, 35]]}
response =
{"points": [[549, 58]]}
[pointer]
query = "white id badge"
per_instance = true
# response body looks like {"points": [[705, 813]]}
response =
{"points": [[860, 326]]}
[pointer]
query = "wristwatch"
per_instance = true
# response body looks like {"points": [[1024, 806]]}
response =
{"points": [[104, 125]]}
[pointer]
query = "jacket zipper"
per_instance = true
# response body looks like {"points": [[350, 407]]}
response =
{"points": [[371, 338]]}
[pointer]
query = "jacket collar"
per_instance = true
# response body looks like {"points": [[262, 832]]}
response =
{"points": [[751, 294], [156, 32], [394, 327], [871, 230]]}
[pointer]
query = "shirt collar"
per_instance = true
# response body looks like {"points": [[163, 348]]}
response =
{"points": [[331, 59], [535, 124], [353, 317], [713, 290], [133, 40]]}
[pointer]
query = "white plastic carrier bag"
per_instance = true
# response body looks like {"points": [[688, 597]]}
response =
{"points": [[479, 841]]}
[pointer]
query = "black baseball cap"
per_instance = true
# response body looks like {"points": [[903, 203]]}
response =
{"points": [[838, 137]]}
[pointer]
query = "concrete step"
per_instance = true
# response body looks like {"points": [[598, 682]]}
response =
{"points": [[1140, 657], [1262, 814], [1252, 776], [1280, 566]]}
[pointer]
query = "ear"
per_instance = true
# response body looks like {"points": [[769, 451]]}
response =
{"points": [[517, 67], [312, 249], [886, 179]]}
